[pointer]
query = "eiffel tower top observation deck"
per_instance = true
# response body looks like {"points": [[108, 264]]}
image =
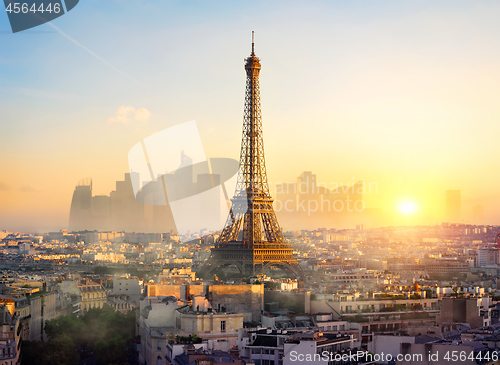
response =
{"points": [[252, 238]]}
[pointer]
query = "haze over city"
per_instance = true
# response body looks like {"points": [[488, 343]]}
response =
{"points": [[400, 94], [264, 183]]}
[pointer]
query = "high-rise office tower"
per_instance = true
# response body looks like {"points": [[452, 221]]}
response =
{"points": [[81, 206], [101, 212], [306, 183], [127, 213]]}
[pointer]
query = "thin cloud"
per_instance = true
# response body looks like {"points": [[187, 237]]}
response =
{"points": [[92, 53], [27, 188], [4, 186], [127, 114]]}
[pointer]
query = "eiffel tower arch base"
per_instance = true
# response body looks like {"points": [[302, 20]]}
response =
{"points": [[245, 260], [231, 256]]}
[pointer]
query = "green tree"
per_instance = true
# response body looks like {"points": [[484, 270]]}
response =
{"points": [[58, 351], [71, 325], [112, 350], [104, 331], [61, 351]]}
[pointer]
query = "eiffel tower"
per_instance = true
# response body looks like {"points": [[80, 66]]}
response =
{"points": [[252, 239]]}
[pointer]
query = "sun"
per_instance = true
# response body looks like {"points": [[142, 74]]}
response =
{"points": [[407, 207]]}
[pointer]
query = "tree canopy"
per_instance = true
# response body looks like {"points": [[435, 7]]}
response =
{"points": [[101, 333]]}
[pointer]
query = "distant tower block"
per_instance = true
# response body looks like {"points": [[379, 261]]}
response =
{"points": [[81, 206], [453, 206], [477, 214], [252, 239]]}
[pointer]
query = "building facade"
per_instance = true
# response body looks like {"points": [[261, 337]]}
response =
{"points": [[93, 296]]}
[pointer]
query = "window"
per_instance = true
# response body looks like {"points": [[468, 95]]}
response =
{"points": [[223, 326], [255, 351]]}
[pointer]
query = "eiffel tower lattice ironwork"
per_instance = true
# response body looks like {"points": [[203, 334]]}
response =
{"points": [[252, 239]]}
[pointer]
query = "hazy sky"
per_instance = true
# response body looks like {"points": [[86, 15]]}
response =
{"points": [[404, 94]]}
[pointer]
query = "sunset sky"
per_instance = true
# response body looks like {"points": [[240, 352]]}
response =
{"points": [[404, 94]]}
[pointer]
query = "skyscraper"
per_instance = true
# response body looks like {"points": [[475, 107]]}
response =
{"points": [[453, 206], [101, 212], [127, 214], [306, 183], [81, 206]]}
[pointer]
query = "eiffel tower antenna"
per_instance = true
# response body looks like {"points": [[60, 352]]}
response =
{"points": [[252, 238], [253, 49]]}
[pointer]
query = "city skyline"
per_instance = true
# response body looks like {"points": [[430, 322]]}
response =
{"points": [[304, 204], [404, 104], [357, 222]]}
